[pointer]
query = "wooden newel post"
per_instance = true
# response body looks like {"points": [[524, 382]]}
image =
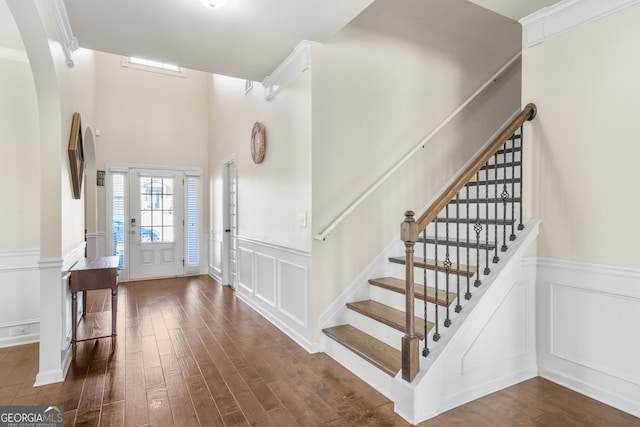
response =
{"points": [[410, 342]]}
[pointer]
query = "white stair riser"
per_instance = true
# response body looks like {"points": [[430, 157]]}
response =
{"points": [[380, 331]]}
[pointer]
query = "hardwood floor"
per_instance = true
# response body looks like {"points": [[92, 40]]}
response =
{"points": [[189, 353]]}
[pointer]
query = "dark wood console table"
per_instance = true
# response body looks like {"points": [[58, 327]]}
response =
{"points": [[89, 274]]}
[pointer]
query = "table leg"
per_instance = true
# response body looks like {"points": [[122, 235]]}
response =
{"points": [[114, 312], [84, 303], [74, 321]]}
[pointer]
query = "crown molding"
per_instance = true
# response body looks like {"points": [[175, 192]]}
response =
{"points": [[294, 65], [567, 15], [69, 43]]}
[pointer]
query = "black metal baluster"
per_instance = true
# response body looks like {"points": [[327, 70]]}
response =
{"points": [[513, 186], [505, 198], [487, 270], [478, 229], [447, 264], [436, 334], [467, 296], [495, 207], [458, 306], [521, 225], [425, 350]]}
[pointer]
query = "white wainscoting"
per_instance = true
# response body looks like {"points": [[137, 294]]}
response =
{"points": [[274, 280], [587, 316], [20, 302], [215, 255]]}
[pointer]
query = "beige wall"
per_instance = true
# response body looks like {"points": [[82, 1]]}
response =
{"points": [[270, 194], [585, 140], [19, 144], [151, 119], [381, 86]]}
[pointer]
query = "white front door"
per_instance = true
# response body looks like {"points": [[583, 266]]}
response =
{"points": [[156, 227]]}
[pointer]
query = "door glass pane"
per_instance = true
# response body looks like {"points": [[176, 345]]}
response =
{"points": [[156, 209], [118, 218], [192, 219]]}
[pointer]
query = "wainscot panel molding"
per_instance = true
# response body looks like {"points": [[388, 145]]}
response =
{"points": [[567, 15], [20, 304], [274, 280], [586, 341], [215, 255]]}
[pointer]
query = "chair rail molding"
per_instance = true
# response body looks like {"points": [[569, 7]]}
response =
{"points": [[566, 16]]}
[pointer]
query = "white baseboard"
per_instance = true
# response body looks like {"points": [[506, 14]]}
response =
{"points": [[586, 340]]}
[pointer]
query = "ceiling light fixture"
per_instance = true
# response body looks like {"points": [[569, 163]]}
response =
{"points": [[214, 4]]}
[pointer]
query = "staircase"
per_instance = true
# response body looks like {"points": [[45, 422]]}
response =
{"points": [[462, 241]]}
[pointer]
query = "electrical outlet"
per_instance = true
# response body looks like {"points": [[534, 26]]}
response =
{"points": [[18, 330]]}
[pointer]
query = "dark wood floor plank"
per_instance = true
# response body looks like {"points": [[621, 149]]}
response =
{"points": [[159, 408], [206, 409], [112, 415], [182, 409], [136, 407], [218, 388], [90, 405]]}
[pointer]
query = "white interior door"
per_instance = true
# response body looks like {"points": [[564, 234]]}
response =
{"points": [[230, 224], [156, 236]]}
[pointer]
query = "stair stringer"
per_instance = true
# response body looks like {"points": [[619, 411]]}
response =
{"points": [[490, 345]]}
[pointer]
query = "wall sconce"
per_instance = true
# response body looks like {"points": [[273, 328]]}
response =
{"points": [[100, 180]]}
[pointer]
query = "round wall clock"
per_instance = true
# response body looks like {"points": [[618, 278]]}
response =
{"points": [[257, 142]]}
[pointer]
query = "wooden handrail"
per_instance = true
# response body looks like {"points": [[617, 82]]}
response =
{"points": [[527, 114], [322, 235]]}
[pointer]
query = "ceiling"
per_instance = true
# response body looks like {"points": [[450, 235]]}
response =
{"points": [[246, 39]]}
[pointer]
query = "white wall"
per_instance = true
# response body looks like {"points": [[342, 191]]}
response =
{"points": [[380, 86], [19, 142], [583, 148], [153, 119], [270, 194]]}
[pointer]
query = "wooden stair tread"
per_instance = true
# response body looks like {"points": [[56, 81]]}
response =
{"points": [[482, 221], [462, 243], [485, 200], [474, 182], [374, 351], [387, 315], [431, 265], [397, 285], [500, 165]]}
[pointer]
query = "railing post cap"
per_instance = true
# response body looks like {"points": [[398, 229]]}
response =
{"points": [[409, 228]]}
